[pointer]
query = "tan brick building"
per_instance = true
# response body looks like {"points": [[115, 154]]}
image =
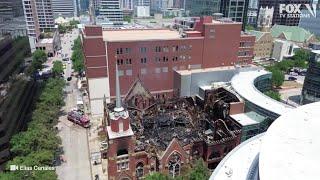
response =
{"points": [[263, 45]]}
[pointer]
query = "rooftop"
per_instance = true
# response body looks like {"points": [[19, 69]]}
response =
{"points": [[288, 150], [46, 41], [156, 122], [248, 118], [296, 138], [291, 33], [243, 84], [258, 34], [140, 34], [202, 70]]}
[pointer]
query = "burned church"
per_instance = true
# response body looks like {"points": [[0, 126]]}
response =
{"points": [[147, 133]]}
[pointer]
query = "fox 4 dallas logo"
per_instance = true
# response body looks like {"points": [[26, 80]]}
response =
{"points": [[294, 10]]}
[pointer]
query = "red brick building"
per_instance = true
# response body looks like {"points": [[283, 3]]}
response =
{"points": [[147, 134], [154, 54]]}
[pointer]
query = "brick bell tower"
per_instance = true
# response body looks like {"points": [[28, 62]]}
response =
{"points": [[121, 140]]}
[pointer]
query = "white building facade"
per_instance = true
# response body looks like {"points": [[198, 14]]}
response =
{"points": [[39, 17], [112, 10], [65, 8], [283, 49]]}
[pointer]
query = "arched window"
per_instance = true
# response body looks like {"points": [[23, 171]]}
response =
{"points": [[174, 165], [139, 170], [122, 152]]}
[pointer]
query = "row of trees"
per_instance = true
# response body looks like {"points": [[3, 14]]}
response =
{"points": [[39, 143], [38, 58], [63, 28], [77, 56], [198, 171], [299, 60], [278, 70]]}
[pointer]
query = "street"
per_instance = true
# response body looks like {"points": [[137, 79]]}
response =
{"points": [[300, 79], [74, 137]]}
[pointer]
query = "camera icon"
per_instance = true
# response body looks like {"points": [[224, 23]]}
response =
{"points": [[13, 167]]}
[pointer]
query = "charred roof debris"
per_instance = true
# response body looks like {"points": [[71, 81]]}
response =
{"points": [[155, 121]]}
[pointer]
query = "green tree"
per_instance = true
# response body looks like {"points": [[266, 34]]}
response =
{"points": [[74, 23], [33, 140], [38, 58], [250, 28], [43, 158], [62, 29], [157, 176], [301, 58], [274, 95], [199, 172], [57, 68], [127, 18], [77, 56], [277, 78], [38, 144]]}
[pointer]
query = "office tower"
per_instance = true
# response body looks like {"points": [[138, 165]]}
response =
{"points": [[66, 8], [234, 9], [252, 12], [127, 4], [311, 86], [142, 8], [203, 7], [10, 9], [39, 18], [83, 6], [111, 9]]}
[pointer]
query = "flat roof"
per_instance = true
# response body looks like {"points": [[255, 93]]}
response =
{"points": [[140, 35], [290, 148], [248, 118], [237, 163], [46, 41], [243, 84], [202, 70]]}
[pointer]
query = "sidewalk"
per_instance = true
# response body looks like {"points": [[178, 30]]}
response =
{"points": [[94, 148]]}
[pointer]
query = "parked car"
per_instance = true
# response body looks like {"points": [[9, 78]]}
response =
{"points": [[291, 78]]}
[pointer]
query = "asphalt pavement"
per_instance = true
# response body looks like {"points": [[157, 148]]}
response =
{"points": [[74, 137]]}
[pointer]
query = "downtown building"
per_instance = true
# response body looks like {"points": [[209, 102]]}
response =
{"points": [[10, 9], [39, 18], [202, 8], [111, 9], [156, 55], [311, 86], [236, 10], [65, 8], [142, 8]]}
